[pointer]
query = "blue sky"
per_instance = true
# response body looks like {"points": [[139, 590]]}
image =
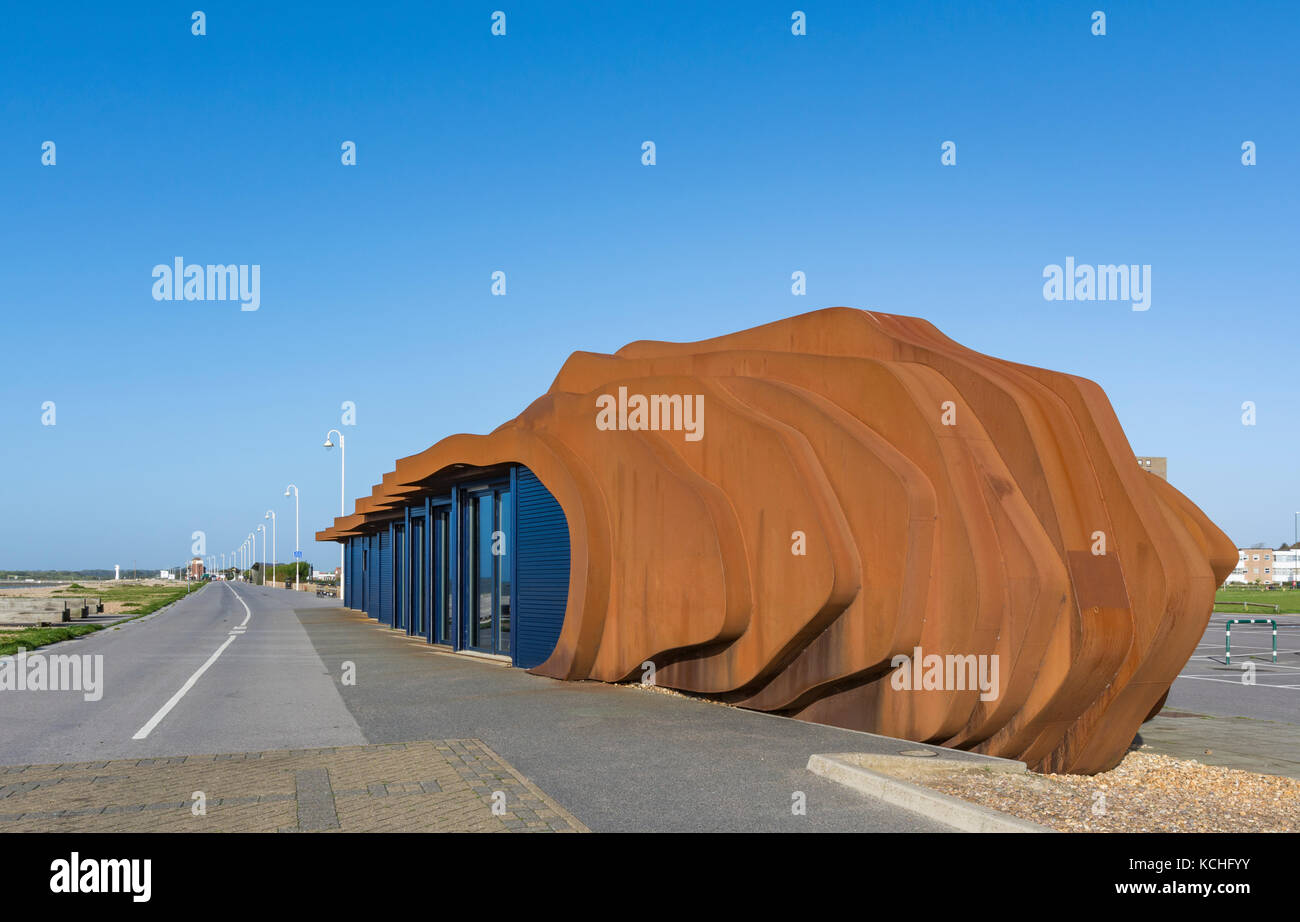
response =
{"points": [[522, 153]]}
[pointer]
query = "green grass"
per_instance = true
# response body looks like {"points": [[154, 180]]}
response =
{"points": [[32, 637], [140, 601], [1230, 600], [136, 599]]}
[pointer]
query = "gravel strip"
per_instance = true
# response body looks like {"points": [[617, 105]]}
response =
{"points": [[1144, 793]]}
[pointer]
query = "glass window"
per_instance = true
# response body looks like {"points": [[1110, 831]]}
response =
{"points": [[502, 552], [482, 515], [442, 575]]}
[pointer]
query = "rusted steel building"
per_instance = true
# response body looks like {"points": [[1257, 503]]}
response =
{"points": [[803, 518]]}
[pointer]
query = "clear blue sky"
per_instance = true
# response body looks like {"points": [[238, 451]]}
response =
{"points": [[522, 153]]}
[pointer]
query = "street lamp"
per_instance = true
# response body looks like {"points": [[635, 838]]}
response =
{"points": [[1295, 549], [343, 460], [295, 532], [252, 553], [270, 514], [262, 529]]}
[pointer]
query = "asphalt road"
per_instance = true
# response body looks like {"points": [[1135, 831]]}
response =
{"points": [[210, 675], [1209, 685], [267, 690]]}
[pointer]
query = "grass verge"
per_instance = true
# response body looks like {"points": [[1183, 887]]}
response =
{"points": [[1230, 601]]}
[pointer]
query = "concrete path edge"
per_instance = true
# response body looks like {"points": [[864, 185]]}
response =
{"points": [[951, 811]]}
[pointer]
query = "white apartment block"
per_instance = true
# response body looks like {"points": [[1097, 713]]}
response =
{"points": [[1263, 565]]}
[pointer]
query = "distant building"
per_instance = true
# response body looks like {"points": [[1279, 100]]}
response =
{"points": [[1286, 566], [1264, 566], [196, 569], [1157, 466]]}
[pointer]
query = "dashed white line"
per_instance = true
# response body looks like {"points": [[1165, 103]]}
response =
{"points": [[189, 683]]}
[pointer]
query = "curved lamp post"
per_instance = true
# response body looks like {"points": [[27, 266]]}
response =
{"points": [[262, 529], [296, 565], [270, 514], [343, 460]]}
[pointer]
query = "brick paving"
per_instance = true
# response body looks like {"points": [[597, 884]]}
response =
{"points": [[427, 786]]}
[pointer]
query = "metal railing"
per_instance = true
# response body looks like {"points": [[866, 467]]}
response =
{"points": [[1227, 636]]}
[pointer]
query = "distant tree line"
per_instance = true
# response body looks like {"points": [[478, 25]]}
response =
{"points": [[60, 575]]}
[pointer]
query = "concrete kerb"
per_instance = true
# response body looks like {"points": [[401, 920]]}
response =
{"points": [[855, 770]]}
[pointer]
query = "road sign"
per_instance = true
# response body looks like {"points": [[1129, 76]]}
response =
{"points": [[297, 555]]}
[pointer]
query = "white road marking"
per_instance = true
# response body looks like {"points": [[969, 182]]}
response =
{"points": [[248, 613], [1257, 684], [189, 683]]}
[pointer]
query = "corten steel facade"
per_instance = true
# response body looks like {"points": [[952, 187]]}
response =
{"points": [[859, 490]]}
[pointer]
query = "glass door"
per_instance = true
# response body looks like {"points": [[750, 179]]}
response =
{"points": [[485, 569], [443, 586], [476, 543], [400, 600], [419, 578]]}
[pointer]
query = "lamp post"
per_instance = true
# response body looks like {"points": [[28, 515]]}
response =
{"points": [[295, 533], [262, 529], [343, 460], [1295, 549], [270, 514], [252, 553]]}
